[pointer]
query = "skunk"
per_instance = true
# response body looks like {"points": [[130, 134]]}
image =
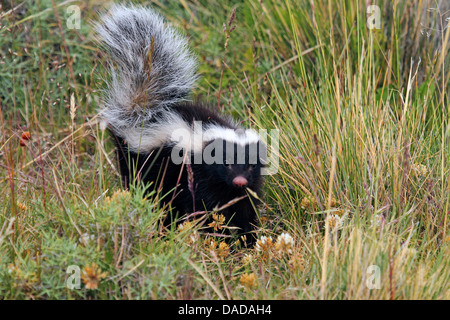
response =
{"points": [[198, 159]]}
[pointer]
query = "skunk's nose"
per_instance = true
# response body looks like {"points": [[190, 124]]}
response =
{"points": [[240, 181]]}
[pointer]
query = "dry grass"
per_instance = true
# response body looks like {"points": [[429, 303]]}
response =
{"points": [[364, 157]]}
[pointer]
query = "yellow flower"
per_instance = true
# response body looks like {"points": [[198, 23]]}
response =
{"points": [[108, 200], [117, 197], [248, 280], [247, 259], [308, 201], [218, 222], [265, 245], [92, 276], [334, 221], [185, 226], [21, 206], [193, 238], [211, 244], [223, 250], [334, 203], [118, 194], [263, 220], [284, 243]]}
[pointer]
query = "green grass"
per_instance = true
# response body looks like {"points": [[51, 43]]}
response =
{"points": [[364, 134]]}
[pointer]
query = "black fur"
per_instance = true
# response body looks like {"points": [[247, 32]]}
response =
{"points": [[212, 184]]}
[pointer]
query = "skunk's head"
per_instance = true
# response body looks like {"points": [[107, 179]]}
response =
{"points": [[225, 157], [237, 165]]}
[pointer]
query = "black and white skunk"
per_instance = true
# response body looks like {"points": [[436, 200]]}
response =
{"points": [[201, 160]]}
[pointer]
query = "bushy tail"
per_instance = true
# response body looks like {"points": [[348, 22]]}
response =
{"points": [[150, 65]]}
